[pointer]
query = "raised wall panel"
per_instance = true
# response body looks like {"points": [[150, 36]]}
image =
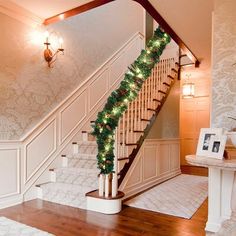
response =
{"points": [[9, 172], [98, 89], [157, 161], [149, 162], [72, 115], [39, 150], [133, 52], [117, 68], [136, 176], [174, 156], [164, 159]]}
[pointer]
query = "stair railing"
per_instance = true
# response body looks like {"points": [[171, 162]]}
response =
{"points": [[140, 111], [135, 89]]}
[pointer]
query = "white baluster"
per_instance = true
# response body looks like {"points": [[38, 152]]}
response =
{"points": [[114, 185], [127, 126], [123, 134], [132, 122], [107, 185], [101, 185]]}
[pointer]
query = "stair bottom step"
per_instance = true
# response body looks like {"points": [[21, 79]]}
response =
{"points": [[81, 203], [64, 194]]}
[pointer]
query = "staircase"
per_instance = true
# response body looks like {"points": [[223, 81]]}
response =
{"points": [[79, 174], [141, 114]]}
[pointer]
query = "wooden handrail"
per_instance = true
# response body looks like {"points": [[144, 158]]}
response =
{"points": [[75, 11], [146, 5]]}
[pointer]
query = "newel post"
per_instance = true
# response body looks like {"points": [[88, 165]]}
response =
{"points": [[108, 183]]}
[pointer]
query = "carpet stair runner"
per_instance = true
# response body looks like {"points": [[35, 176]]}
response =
{"points": [[79, 173], [75, 179]]}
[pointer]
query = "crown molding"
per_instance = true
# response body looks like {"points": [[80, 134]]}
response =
{"points": [[19, 13]]}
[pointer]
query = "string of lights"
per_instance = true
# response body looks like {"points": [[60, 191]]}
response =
{"points": [[117, 103]]}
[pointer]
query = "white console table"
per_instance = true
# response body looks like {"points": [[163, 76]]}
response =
{"points": [[221, 189]]}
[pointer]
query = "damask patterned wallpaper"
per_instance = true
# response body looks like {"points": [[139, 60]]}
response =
{"points": [[29, 90], [224, 56]]}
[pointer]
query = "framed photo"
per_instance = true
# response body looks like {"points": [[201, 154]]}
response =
{"points": [[206, 134], [217, 146]]}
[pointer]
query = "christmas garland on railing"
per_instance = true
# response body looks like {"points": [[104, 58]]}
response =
{"points": [[117, 103]]}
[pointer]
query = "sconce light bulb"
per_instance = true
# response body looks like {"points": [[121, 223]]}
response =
{"points": [[46, 35], [61, 42]]}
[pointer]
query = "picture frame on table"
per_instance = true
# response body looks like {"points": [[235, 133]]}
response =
{"points": [[217, 146], [205, 137]]}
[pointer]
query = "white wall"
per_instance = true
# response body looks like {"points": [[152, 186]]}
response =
{"points": [[29, 90]]}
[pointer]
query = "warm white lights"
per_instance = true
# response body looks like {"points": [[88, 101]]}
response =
{"points": [[188, 90], [46, 35], [61, 42], [61, 16]]}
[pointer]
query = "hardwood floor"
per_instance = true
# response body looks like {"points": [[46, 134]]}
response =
{"points": [[194, 170], [68, 221]]}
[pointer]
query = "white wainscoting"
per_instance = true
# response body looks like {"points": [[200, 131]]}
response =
{"points": [[39, 149], [23, 162], [157, 161]]}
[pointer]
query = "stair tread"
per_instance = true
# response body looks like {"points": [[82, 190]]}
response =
{"points": [[82, 156], [85, 143], [75, 170]]}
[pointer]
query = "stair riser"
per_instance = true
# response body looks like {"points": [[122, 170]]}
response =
{"points": [[76, 163], [78, 201], [86, 136], [84, 149], [89, 180]]}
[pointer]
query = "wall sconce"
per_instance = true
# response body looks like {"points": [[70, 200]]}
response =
{"points": [[188, 88], [50, 56]]}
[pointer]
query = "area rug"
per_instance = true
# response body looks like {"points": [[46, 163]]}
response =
{"points": [[180, 196], [12, 228]]}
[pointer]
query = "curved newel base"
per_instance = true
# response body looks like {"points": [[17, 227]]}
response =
{"points": [[106, 205]]}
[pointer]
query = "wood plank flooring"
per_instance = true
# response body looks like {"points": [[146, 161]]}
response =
{"points": [[68, 221], [194, 170]]}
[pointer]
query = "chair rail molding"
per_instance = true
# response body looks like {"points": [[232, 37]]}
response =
{"points": [[25, 161]]}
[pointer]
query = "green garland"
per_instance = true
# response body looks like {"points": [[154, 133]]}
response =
{"points": [[107, 120]]}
